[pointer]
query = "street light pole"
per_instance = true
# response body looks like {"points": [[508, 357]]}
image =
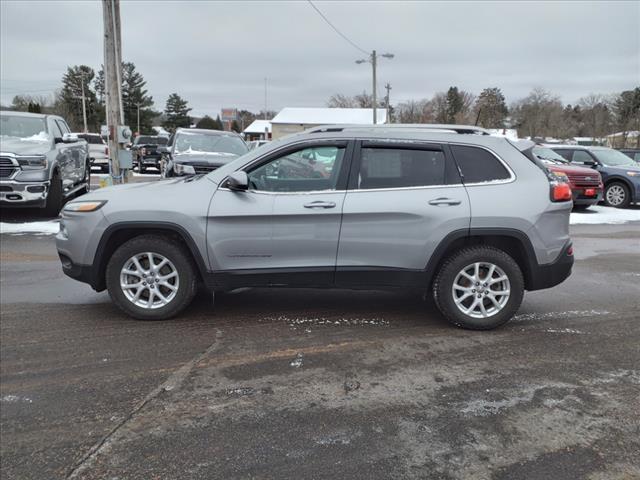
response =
{"points": [[84, 105], [138, 105]]}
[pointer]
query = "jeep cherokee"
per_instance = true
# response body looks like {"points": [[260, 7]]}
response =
{"points": [[474, 219]]}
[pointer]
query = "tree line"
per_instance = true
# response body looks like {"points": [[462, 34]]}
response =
{"points": [[539, 114]]}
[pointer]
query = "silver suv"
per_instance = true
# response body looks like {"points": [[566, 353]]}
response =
{"points": [[474, 219]]}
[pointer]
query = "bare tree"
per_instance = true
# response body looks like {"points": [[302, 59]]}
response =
{"points": [[597, 114]]}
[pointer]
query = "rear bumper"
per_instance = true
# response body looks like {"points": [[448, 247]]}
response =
{"points": [[25, 194], [552, 274]]}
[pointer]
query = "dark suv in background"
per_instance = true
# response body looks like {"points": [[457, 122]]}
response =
{"points": [[620, 174], [196, 150], [145, 151]]}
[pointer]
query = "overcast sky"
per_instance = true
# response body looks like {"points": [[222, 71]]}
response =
{"points": [[217, 54]]}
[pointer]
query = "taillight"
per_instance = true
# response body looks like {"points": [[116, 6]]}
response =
{"points": [[106, 151], [560, 192]]}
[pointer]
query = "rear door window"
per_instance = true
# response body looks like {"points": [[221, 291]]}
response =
{"points": [[478, 165], [565, 153], [382, 167]]}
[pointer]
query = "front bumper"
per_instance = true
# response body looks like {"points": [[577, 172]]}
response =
{"points": [[554, 273], [579, 198], [14, 193]]}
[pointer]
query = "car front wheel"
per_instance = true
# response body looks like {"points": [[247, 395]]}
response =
{"points": [[151, 277], [479, 288]]}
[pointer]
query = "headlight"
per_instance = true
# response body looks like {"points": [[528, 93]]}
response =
{"points": [[32, 163], [84, 206], [633, 174], [182, 169]]}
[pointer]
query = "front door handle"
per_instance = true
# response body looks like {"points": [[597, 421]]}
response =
{"points": [[320, 204], [444, 201]]}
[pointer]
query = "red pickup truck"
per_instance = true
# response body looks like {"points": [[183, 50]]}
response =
{"points": [[586, 183]]}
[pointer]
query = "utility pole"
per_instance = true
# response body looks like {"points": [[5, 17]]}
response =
{"points": [[388, 88], [374, 61], [112, 66], [84, 105], [265, 98], [138, 130]]}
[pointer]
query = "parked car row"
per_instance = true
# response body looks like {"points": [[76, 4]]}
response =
{"points": [[620, 174]]}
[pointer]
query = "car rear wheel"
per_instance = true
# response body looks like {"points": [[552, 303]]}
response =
{"points": [[617, 194], [151, 278], [479, 288]]}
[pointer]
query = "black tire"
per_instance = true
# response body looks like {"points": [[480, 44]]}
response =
{"points": [[625, 194], [54, 200], [443, 285], [580, 208], [168, 248], [141, 168]]}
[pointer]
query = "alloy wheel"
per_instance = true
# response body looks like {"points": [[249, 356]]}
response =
{"points": [[149, 280], [615, 195], [481, 290]]}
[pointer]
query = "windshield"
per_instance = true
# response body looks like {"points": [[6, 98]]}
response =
{"points": [[201, 143], [24, 128], [547, 155], [614, 158], [150, 140]]}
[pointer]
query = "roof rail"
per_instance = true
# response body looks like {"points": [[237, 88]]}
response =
{"points": [[441, 128]]}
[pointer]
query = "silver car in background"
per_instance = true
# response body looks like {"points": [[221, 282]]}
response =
{"points": [[472, 219], [98, 150]]}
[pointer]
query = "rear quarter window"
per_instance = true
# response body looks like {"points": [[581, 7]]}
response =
{"points": [[477, 165]]}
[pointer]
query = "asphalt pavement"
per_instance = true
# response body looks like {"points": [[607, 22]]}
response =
{"points": [[321, 384]]}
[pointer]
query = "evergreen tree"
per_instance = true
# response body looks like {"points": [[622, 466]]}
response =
{"points": [[134, 95], [177, 113], [491, 108], [219, 125], [207, 122], [454, 105], [235, 127], [70, 98]]}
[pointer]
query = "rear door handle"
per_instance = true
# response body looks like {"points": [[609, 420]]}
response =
{"points": [[320, 204], [444, 201]]}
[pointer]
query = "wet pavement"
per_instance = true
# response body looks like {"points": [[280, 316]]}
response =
{"points": [[321, 384]]}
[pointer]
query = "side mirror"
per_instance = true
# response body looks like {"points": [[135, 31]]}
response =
{"points": [[238, 181], [69, 138]]}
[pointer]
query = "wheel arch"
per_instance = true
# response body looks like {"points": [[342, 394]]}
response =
{"points": [[619, 179], [119, 233], [513, 242]]}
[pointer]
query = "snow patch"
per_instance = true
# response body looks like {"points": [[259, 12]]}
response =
{"points": [[604, 215], [558, 315], [40, 228], [564, 330], [15, 399], [40, 137], [352, 322], [297, 363]]}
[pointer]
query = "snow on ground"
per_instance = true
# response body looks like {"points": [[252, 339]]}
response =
{"points": [[39, 228], [609, 215]]}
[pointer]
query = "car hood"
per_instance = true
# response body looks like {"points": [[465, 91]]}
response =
{"points": [[572, 169], [164, 188], [622, 170], [21, 146], [204, 158]]}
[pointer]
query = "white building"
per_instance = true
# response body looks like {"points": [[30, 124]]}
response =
{"points": [[258, 130], [293, 120]]}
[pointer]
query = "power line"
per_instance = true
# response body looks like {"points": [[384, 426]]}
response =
{"points": [[335, 29]]}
